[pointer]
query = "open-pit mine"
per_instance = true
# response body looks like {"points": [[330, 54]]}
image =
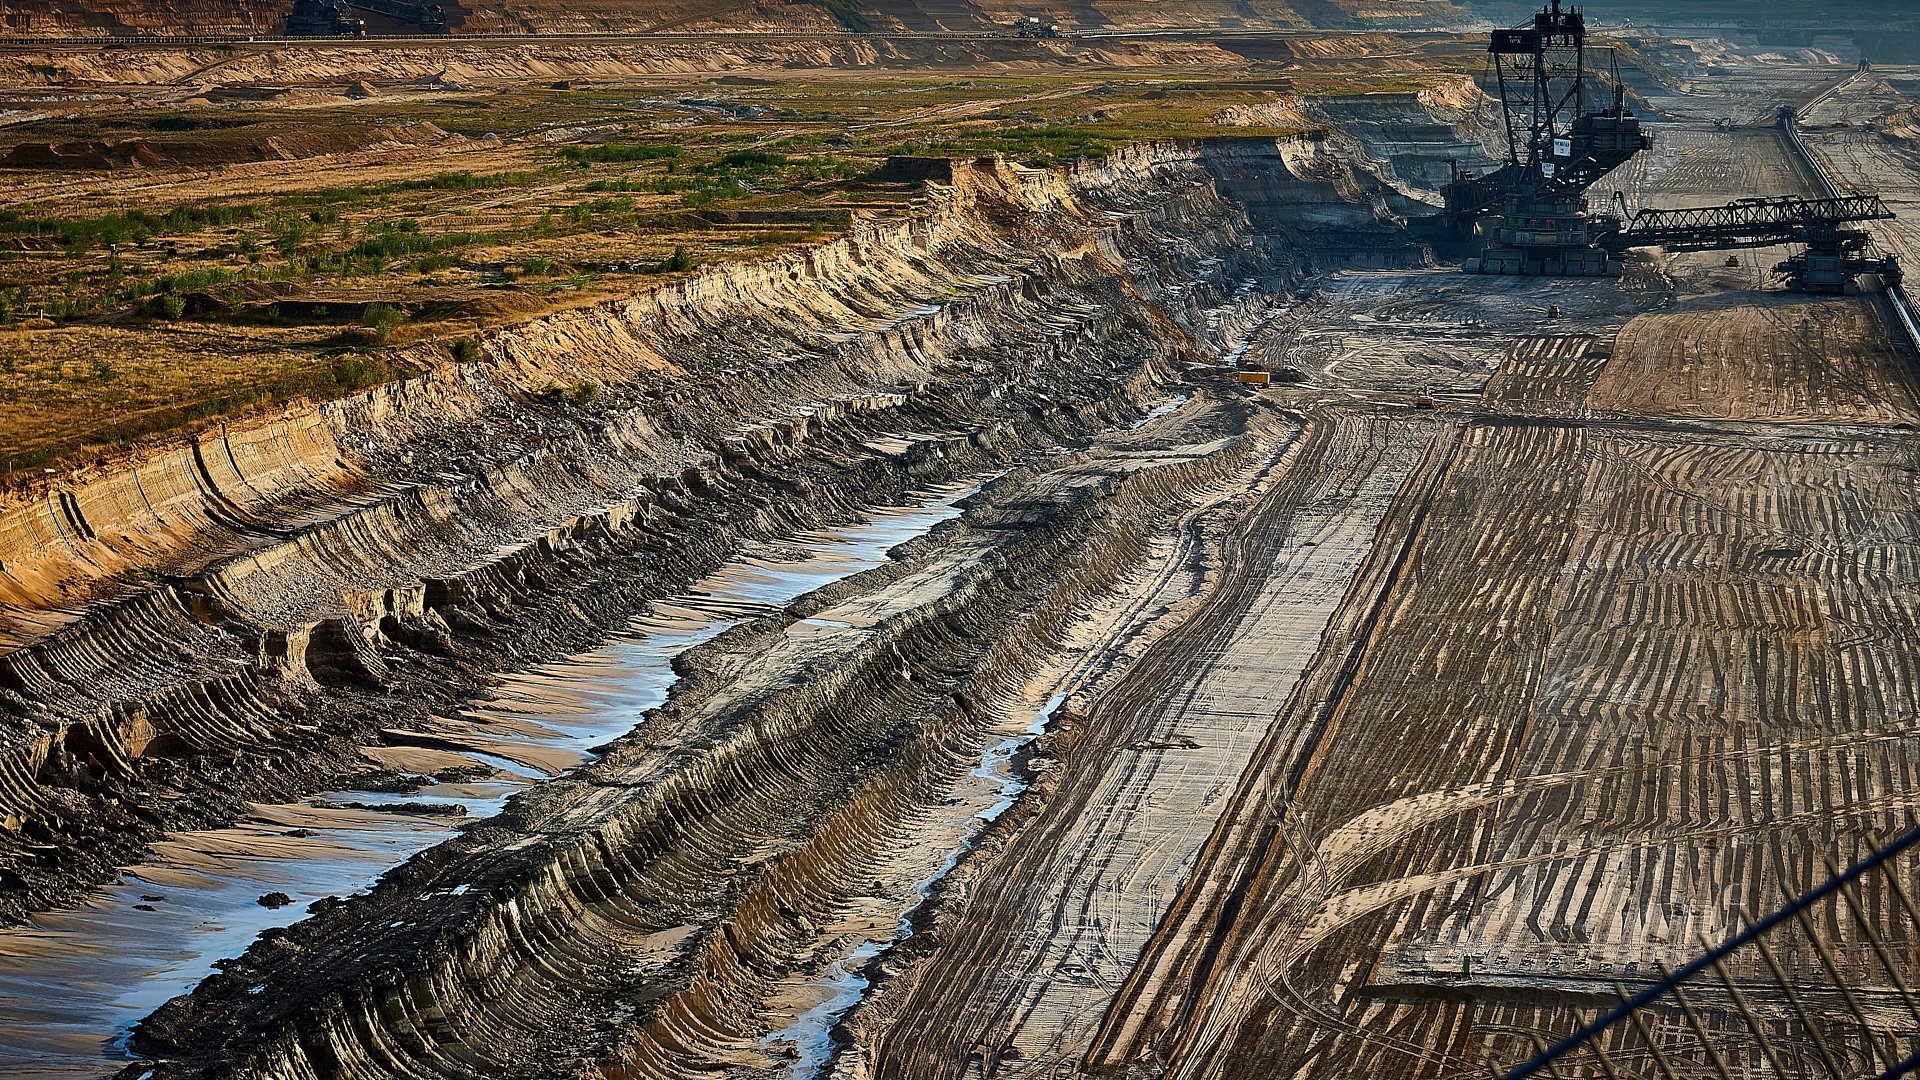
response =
{"points": [[915, 540]]}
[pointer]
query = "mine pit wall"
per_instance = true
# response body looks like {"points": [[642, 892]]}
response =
{"points": [[177, 511], [1306, 215], [225, 620], [1410, 137], [775, 929], [845, 760], [475, 981]]}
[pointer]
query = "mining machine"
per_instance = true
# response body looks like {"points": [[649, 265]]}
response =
{"points": [[1831, 254], [1034, 26], [1532, 216], [342, 18]]}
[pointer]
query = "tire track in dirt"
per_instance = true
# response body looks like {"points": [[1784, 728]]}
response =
{"points": [[1053, 918], [1711, 631]]}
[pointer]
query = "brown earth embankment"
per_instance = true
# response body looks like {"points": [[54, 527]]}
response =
{"points": [[230, 618]]}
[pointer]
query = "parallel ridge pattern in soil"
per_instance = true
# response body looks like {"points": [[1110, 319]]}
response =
{"points": [[1631, 682]]}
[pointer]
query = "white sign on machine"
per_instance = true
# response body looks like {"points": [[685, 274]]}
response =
{"points": [[1563, 148]]}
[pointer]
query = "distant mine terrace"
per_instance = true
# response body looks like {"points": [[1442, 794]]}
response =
{"points": [[332, 38], [375, 39]]}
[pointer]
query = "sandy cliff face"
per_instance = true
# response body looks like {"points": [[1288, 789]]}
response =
{"points": [[41, 17], [483, 64], [52, 18], [170, 620], [1411, 136], [1407, 136]]}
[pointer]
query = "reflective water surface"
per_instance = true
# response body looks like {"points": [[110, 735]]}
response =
{"points": [[74, 982]]}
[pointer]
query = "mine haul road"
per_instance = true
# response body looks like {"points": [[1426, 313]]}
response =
{"points": [[1378, 740], [1551, 685]]}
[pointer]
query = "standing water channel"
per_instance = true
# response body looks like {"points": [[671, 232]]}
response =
{"points": [[844, 983], [73, 983]]}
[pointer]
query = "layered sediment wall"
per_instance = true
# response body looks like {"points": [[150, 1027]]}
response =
{"points": [[231, 619], [747, 841], [104, 17], [1418, 137]]}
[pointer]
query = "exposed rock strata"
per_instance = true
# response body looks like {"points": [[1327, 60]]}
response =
{"points": [[312, 67], [103, 17], [753, 806], [1417, 137], [231, 619]]}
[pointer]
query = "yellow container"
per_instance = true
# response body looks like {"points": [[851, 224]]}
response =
{"points": [[1258, 378]]}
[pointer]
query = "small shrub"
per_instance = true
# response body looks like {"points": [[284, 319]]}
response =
{"points": [[384, 319], [466, 350], [172, 307], [585, 393], [357, 371], [752, 159], [681, 260], [289, 233]]}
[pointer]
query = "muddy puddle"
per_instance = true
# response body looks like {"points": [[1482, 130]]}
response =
{"points": [[73, 983]]}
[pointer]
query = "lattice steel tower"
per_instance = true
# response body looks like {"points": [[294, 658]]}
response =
{"points": [[1530, 214]]}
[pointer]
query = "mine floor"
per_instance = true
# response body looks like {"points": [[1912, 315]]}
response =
{"points": [[1563, 677]]}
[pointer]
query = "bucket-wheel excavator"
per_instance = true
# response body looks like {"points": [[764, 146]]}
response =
{"points": [[1531, 215]]}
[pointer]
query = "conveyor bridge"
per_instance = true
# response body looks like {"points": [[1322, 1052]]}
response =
{"points": [[1833, 255], [1748, 223]]}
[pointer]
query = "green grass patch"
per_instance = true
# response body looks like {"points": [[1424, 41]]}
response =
{"points": [[131, 227], [1038, 145], [616, 153]]}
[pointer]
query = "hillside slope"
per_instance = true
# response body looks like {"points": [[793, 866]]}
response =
{"points": [[88, 17]]}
